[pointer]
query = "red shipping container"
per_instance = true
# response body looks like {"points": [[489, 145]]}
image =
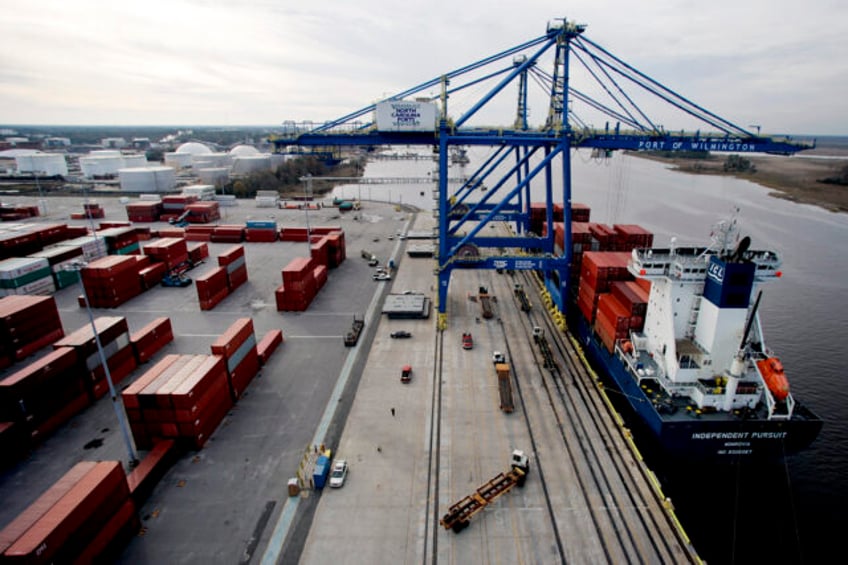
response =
{"points": [[26, 519], [151, 469], [162, 389], [579, 212], [236, 278], [233, 337], [190, 409], [152, 275], [70, 409], [243, 373], [230, 255], [208, 427], [102, 489], [110, 540], [130, 394], [268, 344], [201, 380]]}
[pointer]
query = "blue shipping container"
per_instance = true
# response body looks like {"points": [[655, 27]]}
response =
{"points": [[321, 472]]}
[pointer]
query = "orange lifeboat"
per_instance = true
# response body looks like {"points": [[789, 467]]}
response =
{"points": [[772, 371]]}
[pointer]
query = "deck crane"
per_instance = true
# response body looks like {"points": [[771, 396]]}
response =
{"points": [[524, 155]]}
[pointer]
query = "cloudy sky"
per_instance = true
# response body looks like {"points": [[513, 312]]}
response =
{"points": [[776, 63]]}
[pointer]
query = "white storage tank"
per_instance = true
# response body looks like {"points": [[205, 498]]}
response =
{"points": [[147, 179], [213, 175], [107, 163], [177, 160], [210, 160], [245, 164], [43, 164]]}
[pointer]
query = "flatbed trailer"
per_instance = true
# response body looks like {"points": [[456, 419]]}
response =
{"points": [[485, 302], [459, 515], [504, 387], [352, 337]]}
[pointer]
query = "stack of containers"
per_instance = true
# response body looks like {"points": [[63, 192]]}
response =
{"points": [[227, 234], [260, 231], [203, 212], [212, 288], [45, 394], [633, 296], [92, 247], [110, 281], [147, 341], [86, 516], [27, 323], [234, 263], [182, 397], [612, 321], [120, 240], [48, 234], [599, 269], [173, 205], [298, 288], [294, 234], [26, 275], [172, 251], [197, 252], [604, 235], [199, 233], [631, 236], [320, 250], [10, 213], [117, 349], [266, 198], [237, 346], [151, 275], [337, 252], [17, 240], [145, 211], [90, 210], [62, 261]]}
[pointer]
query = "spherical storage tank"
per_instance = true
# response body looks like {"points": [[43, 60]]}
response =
{"points": [[242, 150], [245, 164], [183, 156], [46, 164], [147, 179]]}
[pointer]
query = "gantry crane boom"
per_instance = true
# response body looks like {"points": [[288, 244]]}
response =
{"points": [[535, 151]]}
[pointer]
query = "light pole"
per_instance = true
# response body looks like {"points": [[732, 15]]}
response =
{"points": [[116, 400], [41, 201], [308, 179]]}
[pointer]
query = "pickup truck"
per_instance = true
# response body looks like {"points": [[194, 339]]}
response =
{"points": [[406, 374]]}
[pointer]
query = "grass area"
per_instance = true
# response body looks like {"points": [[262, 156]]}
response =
{"points": [[791, 178]]}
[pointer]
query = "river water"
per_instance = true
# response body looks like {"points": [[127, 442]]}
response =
{"points": [[788, 512]]}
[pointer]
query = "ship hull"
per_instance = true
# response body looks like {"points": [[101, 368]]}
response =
{"points": [[715, 438]]}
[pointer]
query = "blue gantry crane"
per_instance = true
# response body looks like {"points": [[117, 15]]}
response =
{"points": [[522, 155]]}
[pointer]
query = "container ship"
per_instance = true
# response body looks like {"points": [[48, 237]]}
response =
{"points": [[678, 332]]}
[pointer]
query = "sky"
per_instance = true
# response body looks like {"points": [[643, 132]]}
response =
{"points": [[778, 64]]}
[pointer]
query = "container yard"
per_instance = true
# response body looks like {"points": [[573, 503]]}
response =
{"points": [[223, 386]]}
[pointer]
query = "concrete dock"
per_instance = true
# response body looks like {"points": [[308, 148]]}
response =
{"points": [[414, 449]]}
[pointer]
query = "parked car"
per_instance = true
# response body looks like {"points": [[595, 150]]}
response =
{"points": [[339, 473], [400, 334], [467, 341]]}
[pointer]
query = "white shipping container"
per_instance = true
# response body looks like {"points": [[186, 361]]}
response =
{"points": [[16, 267], [40, 287], [401, 115]]}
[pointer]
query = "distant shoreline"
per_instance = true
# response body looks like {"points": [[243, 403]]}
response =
{"points": [[791, 178]]}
